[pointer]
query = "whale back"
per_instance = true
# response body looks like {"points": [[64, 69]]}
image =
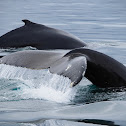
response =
{"points": [[39, 36]]}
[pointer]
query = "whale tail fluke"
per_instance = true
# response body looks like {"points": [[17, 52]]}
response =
{"points": [[102, 70], [71, 66]]}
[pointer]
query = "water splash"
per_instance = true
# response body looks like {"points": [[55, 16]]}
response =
{"points": [[39, 84]]}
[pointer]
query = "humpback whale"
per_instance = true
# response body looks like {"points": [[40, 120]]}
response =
{"points": [[40, 36], [100, 69]]}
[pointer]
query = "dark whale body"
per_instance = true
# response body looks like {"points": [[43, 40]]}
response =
{"points": [[102, 70], [97, 67], [39, 36]]}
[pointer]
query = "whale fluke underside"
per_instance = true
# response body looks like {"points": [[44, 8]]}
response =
{"points": [[33, 59]]}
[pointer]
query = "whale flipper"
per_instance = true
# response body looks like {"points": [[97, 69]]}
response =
{"points": [[73, 67]]}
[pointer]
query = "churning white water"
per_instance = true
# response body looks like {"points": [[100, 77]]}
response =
{"points": [[39, 84]]}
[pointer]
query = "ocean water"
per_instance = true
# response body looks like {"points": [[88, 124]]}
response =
{"points": [[39, 98]]}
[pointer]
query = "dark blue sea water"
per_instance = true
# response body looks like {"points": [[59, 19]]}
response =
{"points": [[39, 98]]}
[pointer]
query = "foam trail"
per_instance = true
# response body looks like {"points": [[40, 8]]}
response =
{"points": [[39, 83]]}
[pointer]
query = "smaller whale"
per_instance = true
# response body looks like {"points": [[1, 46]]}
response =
{"points": [[100, 69], [39, 36]]}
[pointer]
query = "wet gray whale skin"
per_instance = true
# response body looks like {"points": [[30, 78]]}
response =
{"points": [[100, 69], [40, 36]]}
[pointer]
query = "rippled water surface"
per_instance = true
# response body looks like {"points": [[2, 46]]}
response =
{"points": [[39, 98]]}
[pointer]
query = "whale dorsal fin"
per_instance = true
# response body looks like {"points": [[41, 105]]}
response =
{"points": [[30, 23], [27, 22]]}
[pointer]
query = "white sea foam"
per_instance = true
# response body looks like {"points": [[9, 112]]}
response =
{"points": [[39, 84]]}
